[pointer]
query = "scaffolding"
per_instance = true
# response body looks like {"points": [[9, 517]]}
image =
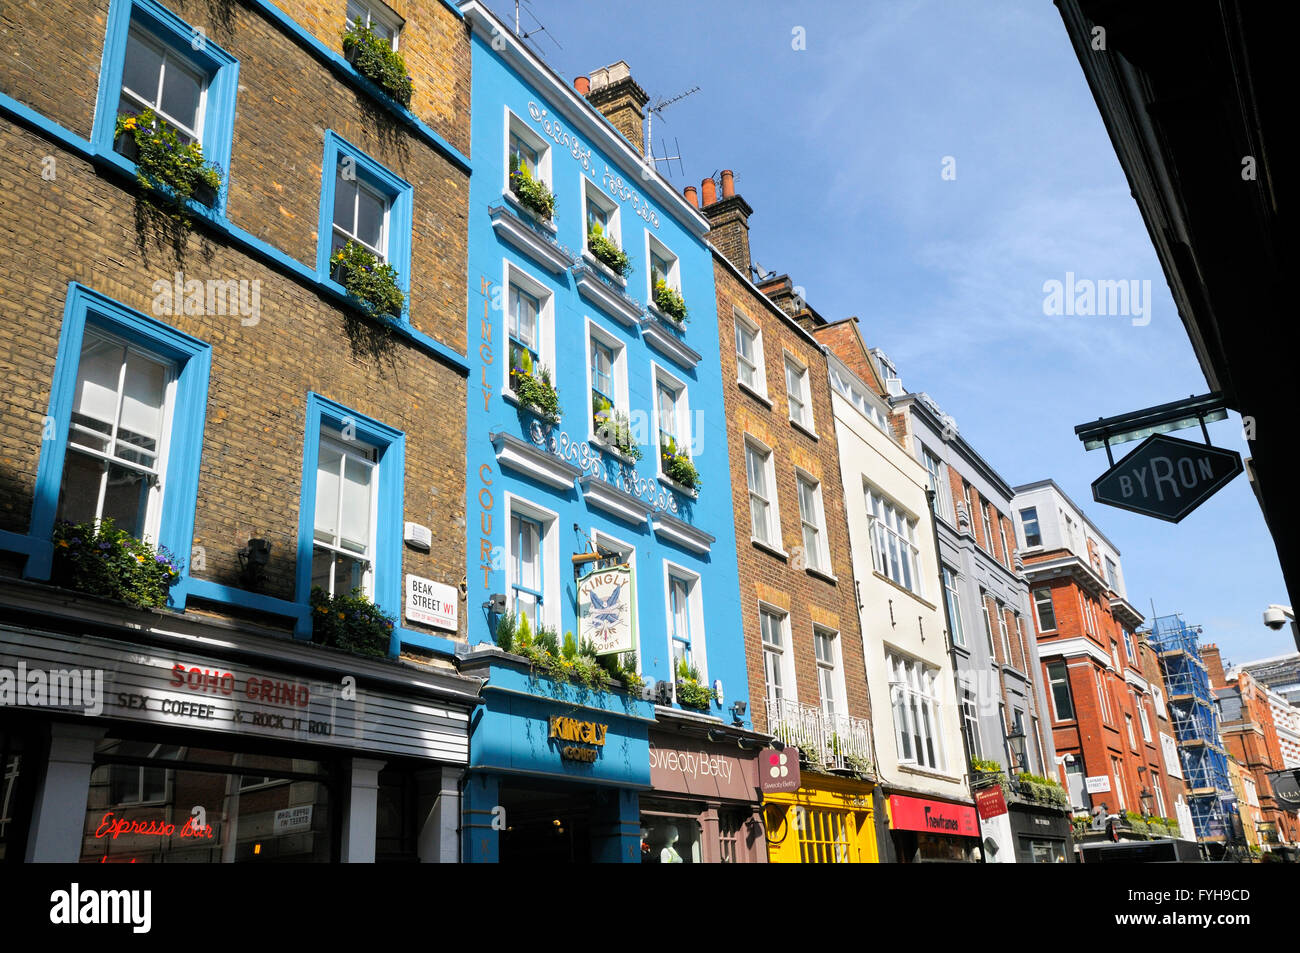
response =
{"points": [[1194, 715]]}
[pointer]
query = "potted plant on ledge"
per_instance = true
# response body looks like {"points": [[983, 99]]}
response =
{"points": [[678, 466], [350, 622], [372, 284], [376, 60], [613, 428], [532, 193], [606, 252], [669, 301], [110, 563], [163, 162], [532, 385], [690, 692]]}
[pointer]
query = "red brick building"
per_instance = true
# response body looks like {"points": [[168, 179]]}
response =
{"points": [[1250, 736]]}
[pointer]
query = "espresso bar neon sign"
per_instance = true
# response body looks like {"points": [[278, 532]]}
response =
{"points": [[109, 826]]}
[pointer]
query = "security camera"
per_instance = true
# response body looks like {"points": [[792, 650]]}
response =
{"points": [[1274, 617]]}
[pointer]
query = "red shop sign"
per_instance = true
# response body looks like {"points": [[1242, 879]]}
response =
{"points": [[932, 817], [990, 803]]}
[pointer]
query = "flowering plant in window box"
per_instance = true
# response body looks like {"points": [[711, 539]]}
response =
{"points": [[532, 385], [669, 300], [613, 428], [690, 692], [606, 252], [373, 284], [376, 60], [350, 622], [532, 193], [165, 163], [111, 563], [678, 466]]}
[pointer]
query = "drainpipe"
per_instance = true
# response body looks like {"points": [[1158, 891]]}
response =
{"points": [[952, 653]]}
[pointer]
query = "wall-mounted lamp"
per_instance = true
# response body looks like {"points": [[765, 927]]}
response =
{"points": [[252, 562], [717, 735], [738, 710], [496, 603]]}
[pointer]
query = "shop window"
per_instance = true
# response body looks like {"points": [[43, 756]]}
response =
{"points": [[670, 840], [823, 836], [1043, 851], [731, 828]]}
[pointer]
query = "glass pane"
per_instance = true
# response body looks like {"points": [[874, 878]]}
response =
{"points": [[370, 219], [126, 499], [345, 198], [79, 494], [322, 562], [327, 493], [182, 89], [758, 514], [142, 68], [142, 402], [357, 476], [97, 381], [667, 401]]}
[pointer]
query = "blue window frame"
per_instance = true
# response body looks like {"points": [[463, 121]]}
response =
{"points": [[146, 348], [363, 200], [175, 68], [384, 450], [527, 572]]}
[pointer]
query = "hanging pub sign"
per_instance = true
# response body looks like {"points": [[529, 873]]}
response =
{"points": [[1166, 477], [607, 611]]}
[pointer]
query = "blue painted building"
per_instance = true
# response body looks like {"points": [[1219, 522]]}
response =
{"points": [[544, 487]]}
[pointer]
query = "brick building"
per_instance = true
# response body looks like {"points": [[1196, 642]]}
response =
{"points": [[803, 643], [1251, 737], [1102, 705], [203, 377]]}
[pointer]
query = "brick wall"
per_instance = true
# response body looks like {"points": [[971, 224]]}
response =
{"points": [[92, 228], [763, 576]]}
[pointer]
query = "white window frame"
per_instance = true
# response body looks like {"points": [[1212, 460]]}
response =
{"points": [[1002, 532], [988, 624], [821, 560], [882, 533], [377, 11], [773, 506], [1024, 526], [832, 670], [784, 662], [1103, 697], [1038, 611], [804, 380], [988, 527], [515, 125], [952, 593], [1117, 769], [970, 717], [660, 375], [549, 551], [157, 475], [674, 277], [593, 195], [759, 384], [942, 491], [1143, 718], [1132, 736], [512, 274], [368, 455], [618, 372], [380, 251], [1064, 680], [1158, 701], [695, 617], [912, 689], [147, 38]]}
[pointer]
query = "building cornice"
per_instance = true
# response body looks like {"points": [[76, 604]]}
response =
{"points": [[977, 462], [1076, 647]]}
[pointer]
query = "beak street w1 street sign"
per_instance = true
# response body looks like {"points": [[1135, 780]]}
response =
{"points": [[1166, 477]]}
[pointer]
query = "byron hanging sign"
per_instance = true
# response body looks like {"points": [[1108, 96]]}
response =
{"points": [[1166, 477], [606, 610]]}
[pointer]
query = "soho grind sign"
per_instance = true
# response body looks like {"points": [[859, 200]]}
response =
{"points": [[1166, 477]]}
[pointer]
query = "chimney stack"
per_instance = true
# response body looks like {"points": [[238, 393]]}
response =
{"points": [[728, 220], [612, 90]]}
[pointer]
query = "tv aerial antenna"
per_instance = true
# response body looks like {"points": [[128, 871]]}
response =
{"points": [[540, 28], [657, 109]]}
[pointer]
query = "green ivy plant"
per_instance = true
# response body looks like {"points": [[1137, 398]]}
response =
{"points": [[532, 386], [350, 622], [690, 692], [606, 252], [110, 563], [532, 193], [166, 165], [669, 301], [372, 284], [376, 60], [678, 466]]}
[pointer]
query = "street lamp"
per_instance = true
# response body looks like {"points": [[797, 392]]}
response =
{"points": [[1016, 742]]}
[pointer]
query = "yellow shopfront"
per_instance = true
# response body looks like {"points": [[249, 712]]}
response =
{"points": [[828, 820]]}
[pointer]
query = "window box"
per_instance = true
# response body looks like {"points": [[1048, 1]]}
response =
{"points": [[604, 250], [678, 468], [668, 301], [690, 692], [374, 58], [534, 391], [372, 284], [350, 622], [532, 193], [165, 162], [107, 562]]}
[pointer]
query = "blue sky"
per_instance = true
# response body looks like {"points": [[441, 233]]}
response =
{"points": [[839, 147]]}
